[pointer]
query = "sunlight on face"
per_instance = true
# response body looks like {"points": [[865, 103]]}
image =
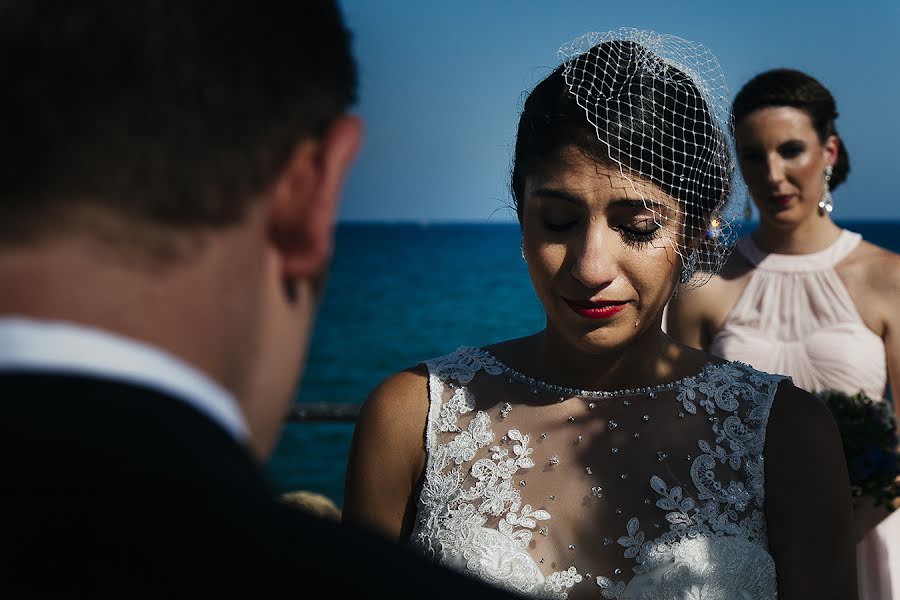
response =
{"points": [[783, 163], [601, 251]]}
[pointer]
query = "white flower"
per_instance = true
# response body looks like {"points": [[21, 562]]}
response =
{"points": [[463, 447], [461, 402], [558, 583], [610, 589], [497, 497]]}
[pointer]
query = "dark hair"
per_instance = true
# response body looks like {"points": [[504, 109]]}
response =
{"points": [[788, 87], [170, 112], [658, 126]]}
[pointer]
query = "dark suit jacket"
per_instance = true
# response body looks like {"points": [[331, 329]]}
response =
{"points": [[114, 490]]}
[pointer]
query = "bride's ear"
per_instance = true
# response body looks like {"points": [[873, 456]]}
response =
{"points": [[306, 196]]}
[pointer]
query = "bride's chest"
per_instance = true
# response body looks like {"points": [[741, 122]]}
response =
{"points": [[583, 495]]}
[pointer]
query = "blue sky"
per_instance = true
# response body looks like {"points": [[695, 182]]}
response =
{"points": [[442, 83]]}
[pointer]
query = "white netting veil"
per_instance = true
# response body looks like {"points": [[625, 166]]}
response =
{"points": [[659, 105]]}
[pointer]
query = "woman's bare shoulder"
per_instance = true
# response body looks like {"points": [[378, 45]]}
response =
{"points": [[398, 403], [407, 382], [882, 266], [872, 274], [735, 268], [706, 300]]}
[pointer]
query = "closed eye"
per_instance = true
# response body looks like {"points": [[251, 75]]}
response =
{"points": [[640, 234], [559, 226]]}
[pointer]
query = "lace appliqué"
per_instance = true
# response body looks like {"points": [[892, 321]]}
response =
{"points": [[462, 365], [558, 584], [461, 403], [453, 521], [715, 546]]}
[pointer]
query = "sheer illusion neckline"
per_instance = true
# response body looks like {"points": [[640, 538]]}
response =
{"points": [[535, 383]]}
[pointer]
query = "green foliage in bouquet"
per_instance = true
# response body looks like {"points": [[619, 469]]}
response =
{"points": [[869, 432]]}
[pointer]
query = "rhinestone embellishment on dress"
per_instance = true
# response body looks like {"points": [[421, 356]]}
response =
{"points": [[651, 391]]}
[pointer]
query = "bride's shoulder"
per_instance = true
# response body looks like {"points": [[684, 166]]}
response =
{"points": [[788, 413], [798, 417], [407, 391], [805, 468], [398, 403], [773, 384]]}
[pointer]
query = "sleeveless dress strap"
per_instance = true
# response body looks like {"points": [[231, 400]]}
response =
{"points": [[821, 260]]}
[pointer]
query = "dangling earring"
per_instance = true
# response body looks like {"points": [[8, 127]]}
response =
{"points": [[522, 250], [290, 290], [689, 266], [826, 205]]}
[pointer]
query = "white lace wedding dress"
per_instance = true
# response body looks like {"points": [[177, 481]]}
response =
{"points": [[555, 492]]}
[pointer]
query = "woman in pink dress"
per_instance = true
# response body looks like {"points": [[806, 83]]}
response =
{"points": [[803, 296]]}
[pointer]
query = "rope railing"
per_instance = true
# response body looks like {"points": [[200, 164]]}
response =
{"points": [[305, 412]]}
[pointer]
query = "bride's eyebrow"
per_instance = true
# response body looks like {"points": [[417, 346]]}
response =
{"points": [[629, 203], [652, 205], [548, 192]]}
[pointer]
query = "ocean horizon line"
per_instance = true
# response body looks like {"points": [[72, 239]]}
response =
{"points": [[419, 223]]}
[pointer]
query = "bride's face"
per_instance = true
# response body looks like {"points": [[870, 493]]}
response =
{"points": [[599, 261]]}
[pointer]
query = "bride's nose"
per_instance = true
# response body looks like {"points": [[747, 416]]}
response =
{"points": [[593, 263]]}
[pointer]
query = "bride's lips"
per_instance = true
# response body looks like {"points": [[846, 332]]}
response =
{"points": [[601, 309]]}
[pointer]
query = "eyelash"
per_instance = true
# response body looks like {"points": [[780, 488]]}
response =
{"points": [[560, 227], [637, 238], [632, 237]]}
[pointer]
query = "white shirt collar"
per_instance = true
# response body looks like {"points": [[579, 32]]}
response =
{"points": [[58, 347]]}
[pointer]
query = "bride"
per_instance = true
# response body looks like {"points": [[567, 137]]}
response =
{"points": [[599, 457]]}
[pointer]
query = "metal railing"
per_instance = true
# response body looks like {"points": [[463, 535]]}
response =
{"points": [[306, 412]]}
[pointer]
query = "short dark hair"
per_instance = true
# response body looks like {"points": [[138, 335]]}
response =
{"points": [[789, 87], [552, 119], [171, 112]]}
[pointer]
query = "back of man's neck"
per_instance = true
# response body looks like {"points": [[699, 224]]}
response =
{"points": [[173, 309]]}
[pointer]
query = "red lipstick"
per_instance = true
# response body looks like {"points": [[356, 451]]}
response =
{"points": [[602, 309], [782, 199]]}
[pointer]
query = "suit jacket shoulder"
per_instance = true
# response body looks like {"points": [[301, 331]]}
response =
{"points": [[115, 490]]}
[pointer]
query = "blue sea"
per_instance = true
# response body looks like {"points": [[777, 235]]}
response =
{"points": [[399, 294]]}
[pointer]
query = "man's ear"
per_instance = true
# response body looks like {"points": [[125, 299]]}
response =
{"points": [[306, 198]]}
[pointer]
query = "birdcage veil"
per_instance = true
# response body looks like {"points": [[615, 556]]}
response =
{"points": [[659, 103]]}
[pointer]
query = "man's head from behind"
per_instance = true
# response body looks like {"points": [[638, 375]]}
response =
{"points": [[185, 158]]}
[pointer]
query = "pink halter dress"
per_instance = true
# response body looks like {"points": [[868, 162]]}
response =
{"points": [[796, 318]]}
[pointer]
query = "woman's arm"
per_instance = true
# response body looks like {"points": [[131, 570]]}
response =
{"points": [[891, 301], [808, 506], [685, 317], [387, 455], [892, 354], [873, 281]]}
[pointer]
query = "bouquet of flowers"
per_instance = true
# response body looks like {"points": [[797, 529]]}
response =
{"points": [[869, 433]]}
